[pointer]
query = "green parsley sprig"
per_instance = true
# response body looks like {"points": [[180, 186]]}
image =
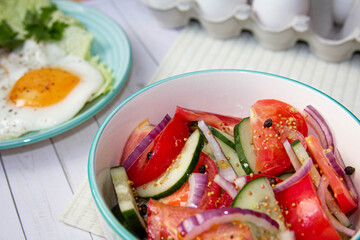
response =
{"points": [[37, 26]]}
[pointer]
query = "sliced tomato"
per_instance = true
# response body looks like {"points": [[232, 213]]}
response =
{"points": [[163, 220], [166, 148], [225, 200], [212, 191], [272, 122], [136, 136], [341, 192], [303, 212], [222, 122]]}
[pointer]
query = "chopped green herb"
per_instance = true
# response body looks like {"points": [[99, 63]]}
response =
{"points": [[37, 26], [8, 37]]}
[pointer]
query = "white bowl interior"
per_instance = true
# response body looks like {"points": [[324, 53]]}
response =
{"points": [[229, 92]]}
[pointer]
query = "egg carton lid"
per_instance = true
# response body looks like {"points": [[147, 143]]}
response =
{"points": [[331, 28]]}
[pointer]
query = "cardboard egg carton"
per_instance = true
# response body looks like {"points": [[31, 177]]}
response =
{"points": [[331, 28]]}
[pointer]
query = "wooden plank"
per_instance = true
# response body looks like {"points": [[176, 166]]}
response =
{"points": [[40, 189], [10, 225]]}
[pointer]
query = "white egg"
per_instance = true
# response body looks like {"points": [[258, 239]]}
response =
{"points": [[341, 9], [16, 116], [280, 13]]}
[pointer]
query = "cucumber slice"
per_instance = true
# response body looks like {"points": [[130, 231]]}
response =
{"points": [[126, 201], [229, 153], [244, 146], [224, 137], [170, 181], [258, 195]]}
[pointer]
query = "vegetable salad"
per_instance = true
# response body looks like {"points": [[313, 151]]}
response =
{"points": [[275, 174]]}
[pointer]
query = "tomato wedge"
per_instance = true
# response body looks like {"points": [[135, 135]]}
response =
{"points": [[341, 192], [272, 122], [136, 136], [303, 212], [212, 191], [222, 122], [167, 147], [163, 220]]}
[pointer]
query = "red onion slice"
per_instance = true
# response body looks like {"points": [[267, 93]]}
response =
{"points": [[240, 182], [286, 235], [293, 159], [299, 174], [317, 122], [348, 180], [323, 186], [225, 169], [201, 222], [197, 185], [226, 185], [334, 163], [145, 142]]}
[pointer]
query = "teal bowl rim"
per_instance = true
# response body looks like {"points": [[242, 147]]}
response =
{"points": [[120, 75], [100, 204]]}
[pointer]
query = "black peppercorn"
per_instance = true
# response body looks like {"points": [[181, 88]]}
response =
{"points": [[149, 155], [143, 209], [272, 181], [349, 170], [268, 123], [202, 169]]}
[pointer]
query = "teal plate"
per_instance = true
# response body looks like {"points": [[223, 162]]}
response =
{"points": [[112, 45]]}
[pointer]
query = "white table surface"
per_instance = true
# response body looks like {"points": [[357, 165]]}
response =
{"points": [[38, 180]]}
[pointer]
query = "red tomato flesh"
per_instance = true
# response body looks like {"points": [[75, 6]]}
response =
{"points": [[286, 123], [222, 122], [343, 196], [166, 148], [163, 220], [136, 136], [303, 212]]}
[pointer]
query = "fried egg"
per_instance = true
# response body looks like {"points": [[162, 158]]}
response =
{"points": [[41, 86]]}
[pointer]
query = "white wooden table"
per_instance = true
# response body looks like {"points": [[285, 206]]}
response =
{"points": [[38, 180]]}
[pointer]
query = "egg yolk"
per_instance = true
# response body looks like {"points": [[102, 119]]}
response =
{"points": [[43, 87]]}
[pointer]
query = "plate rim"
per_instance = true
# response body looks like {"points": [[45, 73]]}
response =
{"points": [[120, 76]]}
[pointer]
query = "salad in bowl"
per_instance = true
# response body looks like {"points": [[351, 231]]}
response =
{"points": [[227, 154]]}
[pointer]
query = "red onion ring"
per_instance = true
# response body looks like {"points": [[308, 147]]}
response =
{"points": [[240, 182], [299, 174], [201, 222], [225, 169], [197, 185], [226, 185], [348, 180], [334, 163], [145, 142], [323, 186], [286, 235], [318, 123]]}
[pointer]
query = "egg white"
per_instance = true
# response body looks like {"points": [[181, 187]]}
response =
{"points": [[15, 121]]}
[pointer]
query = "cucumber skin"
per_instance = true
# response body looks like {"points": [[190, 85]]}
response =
{"points": [[185, 177], [129, 218], [224, 139], [238, 199], [239, 149]]}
